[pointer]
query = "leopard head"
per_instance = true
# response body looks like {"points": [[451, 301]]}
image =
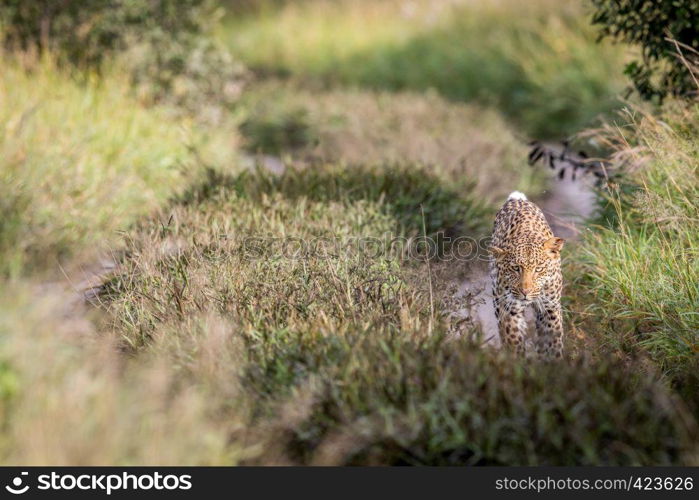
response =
{"points": [[526, 267]]}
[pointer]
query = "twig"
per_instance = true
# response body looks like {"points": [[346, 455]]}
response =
{"points": [[429, 270], [684, 59]]}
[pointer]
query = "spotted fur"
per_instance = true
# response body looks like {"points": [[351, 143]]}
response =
{"points": [[525, 267]]}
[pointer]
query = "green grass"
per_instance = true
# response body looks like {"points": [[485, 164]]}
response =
{"points": [[220, 340], [79, 161], [331, 357], [537, 62], [640, 269], [339, 356], [156, 343]]}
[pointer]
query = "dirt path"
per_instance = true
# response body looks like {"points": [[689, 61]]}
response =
{"points": [[470, 305]]}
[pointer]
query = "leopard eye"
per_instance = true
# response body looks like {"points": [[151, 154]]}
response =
{"points": [[539, 269], [516, 269]]}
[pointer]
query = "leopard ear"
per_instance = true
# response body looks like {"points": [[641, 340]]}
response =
{"points": [[496, 252], [553, 246]]}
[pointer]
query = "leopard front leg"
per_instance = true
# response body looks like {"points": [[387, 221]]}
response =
{"points": [[549, 328], [511, 323]]}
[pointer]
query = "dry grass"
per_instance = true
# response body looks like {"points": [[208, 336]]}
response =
{"points": [[465, 144]]}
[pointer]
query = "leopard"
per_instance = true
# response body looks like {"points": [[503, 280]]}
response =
{"points": [[525, 269]]}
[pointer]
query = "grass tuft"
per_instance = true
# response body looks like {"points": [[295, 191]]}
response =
{"points": [[640, 269]]}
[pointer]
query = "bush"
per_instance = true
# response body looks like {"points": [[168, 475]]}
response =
{"points": [[382, 398], [648, 23], [87, 31], [164, 42], [640, 269]]}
